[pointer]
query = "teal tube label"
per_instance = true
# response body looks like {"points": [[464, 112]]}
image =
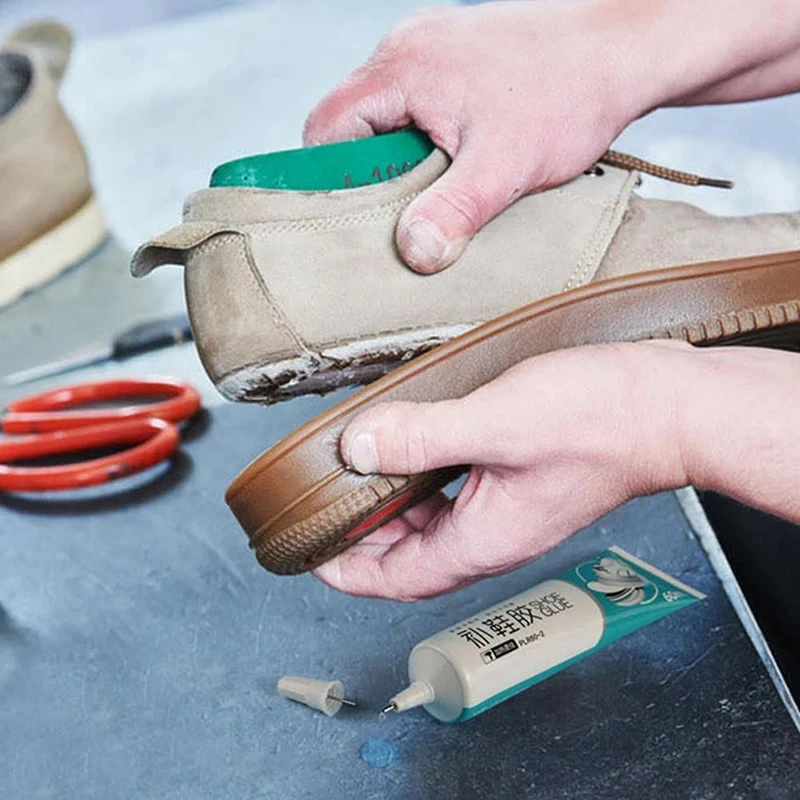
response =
{"points": [[523, 641]]}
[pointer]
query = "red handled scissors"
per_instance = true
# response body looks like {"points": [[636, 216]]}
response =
{"points": [[48, 424]]}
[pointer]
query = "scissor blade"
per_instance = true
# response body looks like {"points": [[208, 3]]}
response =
{"points": [[58, 367]]}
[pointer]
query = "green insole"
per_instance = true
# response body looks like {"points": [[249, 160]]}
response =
{"points": [[344, 165]]}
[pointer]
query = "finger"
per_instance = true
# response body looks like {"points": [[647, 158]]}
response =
{"points": [[420, 564], [460, 544], [379, 541], [436, 227], [412, 519], [410, 438], [457, 546], [420, 515], [369, 101]]}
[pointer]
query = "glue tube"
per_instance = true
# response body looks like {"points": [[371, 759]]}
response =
{"points": [[492, 656]]}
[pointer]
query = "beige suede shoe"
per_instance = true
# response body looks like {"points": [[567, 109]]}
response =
{"points": [[298, 292], [49, 219]]}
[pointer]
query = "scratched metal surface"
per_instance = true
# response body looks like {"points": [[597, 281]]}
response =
{"points": [[140, 645]]}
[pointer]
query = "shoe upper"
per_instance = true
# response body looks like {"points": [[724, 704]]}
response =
{"points": [[321, 268], [656, 234], [283, 285], [44, 174]]}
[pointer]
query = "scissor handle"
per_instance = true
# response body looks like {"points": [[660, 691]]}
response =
{"points": [[55, 410], [155, 440]]}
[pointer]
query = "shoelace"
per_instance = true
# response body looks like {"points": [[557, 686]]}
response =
{"points": [[615, 159]]}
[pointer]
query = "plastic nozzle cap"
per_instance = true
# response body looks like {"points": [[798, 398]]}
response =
{"points": [[325, 696], [419, 693]]}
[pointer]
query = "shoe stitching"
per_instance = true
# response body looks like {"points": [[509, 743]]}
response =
{"points": [[260, 230], [277, 312], [589, 254], [594, 249], [597, 201], [380, 212], [329, 222], [277, 315]]}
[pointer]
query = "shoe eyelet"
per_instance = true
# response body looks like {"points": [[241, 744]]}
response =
{"points": [[595, 172]]}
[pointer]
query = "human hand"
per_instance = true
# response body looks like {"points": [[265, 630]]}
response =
{"points": [[556, 442], [563, 438], [522, 96]]}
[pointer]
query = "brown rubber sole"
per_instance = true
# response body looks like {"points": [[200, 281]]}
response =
{"points": [[300, 505]]}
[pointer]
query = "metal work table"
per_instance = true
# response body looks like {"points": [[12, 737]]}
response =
{"points": [[140, 642]]}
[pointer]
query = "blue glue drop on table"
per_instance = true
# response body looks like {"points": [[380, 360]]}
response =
{"points": [[379, 753]]}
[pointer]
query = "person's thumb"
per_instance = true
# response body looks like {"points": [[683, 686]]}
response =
{"points": [[437, 226], [409, 438]]}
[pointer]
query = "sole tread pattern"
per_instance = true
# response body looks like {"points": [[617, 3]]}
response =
{"points": [[734, 323], [317, 538]]}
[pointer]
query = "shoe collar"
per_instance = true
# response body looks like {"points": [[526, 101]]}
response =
{"points": [[38, 97], [16, 77], [245, 204]]}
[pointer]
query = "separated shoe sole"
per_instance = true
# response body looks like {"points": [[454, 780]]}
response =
{"points": [[300, 505]]}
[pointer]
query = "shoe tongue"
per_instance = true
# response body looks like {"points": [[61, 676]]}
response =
{"points": [[16, 73]]}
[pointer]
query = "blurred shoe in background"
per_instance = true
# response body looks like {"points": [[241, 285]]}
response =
{"points": [[49, 217]]}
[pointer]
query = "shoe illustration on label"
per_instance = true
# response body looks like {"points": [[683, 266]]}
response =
{"points": [[620, 584]]}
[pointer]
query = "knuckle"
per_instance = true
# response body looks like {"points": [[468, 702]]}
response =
{"points": [[447, 135], [398, 45], [377, 418], [400, 582], [398, 436], [416, 449], [315, 126], [470, 206]]}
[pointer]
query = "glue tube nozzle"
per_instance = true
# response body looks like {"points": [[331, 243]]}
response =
{"points": [[419, 693]]}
